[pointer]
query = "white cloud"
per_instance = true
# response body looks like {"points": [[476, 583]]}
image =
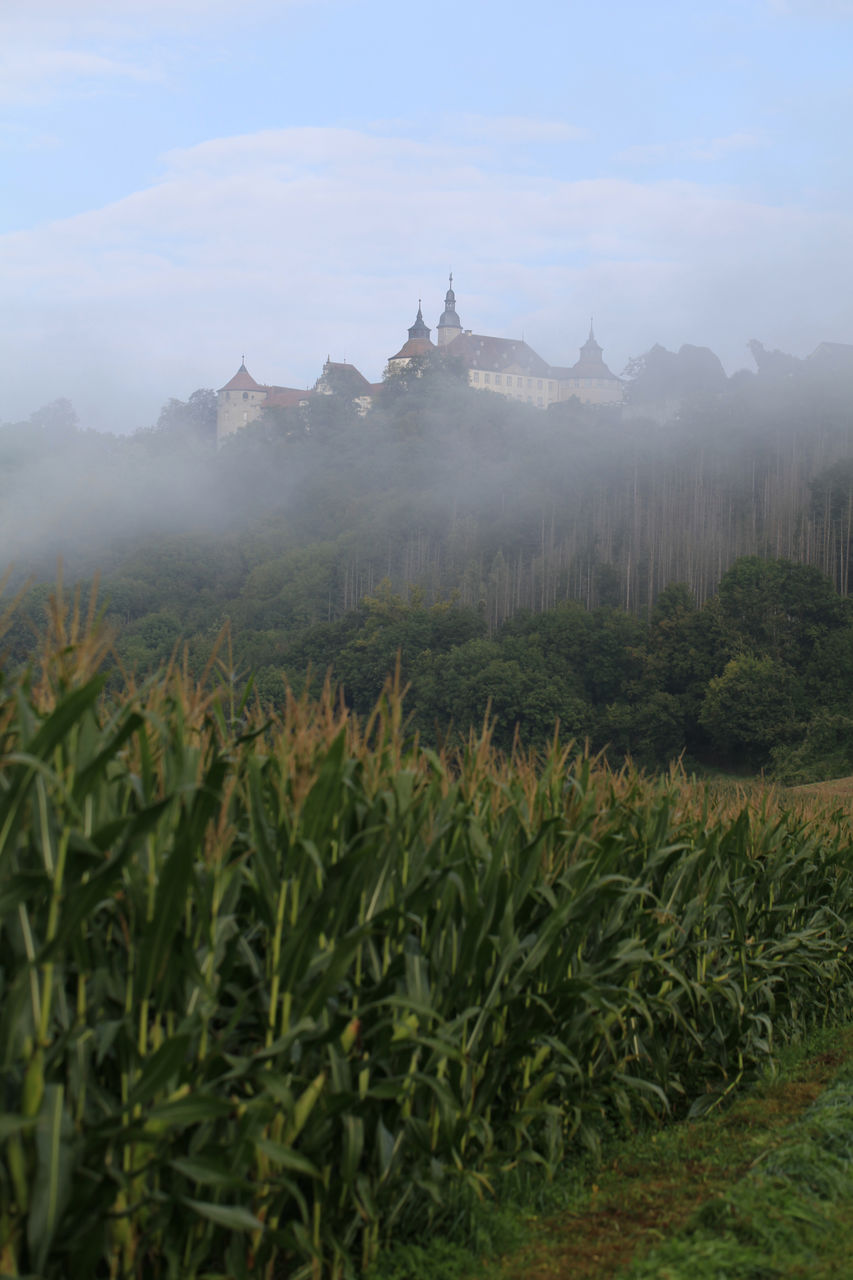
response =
{"points": [[508, 130], [696, 149], [30, 74], [54, 47], [812, 8], [296, 243]]}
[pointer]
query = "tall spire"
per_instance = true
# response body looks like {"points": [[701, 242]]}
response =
{"points": [[591, 349], [449, 326], [419, 329]]}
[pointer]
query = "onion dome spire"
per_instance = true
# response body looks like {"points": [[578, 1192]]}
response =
{"points": [[449, 326]]}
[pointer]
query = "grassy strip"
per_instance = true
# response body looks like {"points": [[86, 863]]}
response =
{"points": [[591, 1220], [789, 1216]]}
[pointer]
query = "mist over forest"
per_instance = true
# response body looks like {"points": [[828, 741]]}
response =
{"points": [[443, 522]]}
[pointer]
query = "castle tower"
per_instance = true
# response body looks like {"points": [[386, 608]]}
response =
{"points": [[418, 345], [591, 352], [449, 326], [238, 403], [419, 331], [589, 379]]}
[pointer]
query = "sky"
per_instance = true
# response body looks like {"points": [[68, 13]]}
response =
{"points": [[188, 181]]}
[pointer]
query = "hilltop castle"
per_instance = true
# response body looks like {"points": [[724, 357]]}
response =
{"points": [[507, 366]]}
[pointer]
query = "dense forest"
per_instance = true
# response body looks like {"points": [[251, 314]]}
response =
{"points": [[667, 578]]}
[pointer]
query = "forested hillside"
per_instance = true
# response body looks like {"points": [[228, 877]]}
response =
{"points": [[560, 565]]}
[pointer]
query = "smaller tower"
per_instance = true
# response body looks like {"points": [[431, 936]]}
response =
{"points": [[418, 345], [449, 326], [589, 379], [419, 330], [591, 351], [238, 403]]}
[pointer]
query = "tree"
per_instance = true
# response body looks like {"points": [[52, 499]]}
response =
{"points": [[779, 607], [57, 420], [194, 418], [749, 709]]}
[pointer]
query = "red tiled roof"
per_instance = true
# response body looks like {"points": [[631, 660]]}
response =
{"points": [[286, 397], [414, 347], [477, 351], [242, 381], [349, 369]]}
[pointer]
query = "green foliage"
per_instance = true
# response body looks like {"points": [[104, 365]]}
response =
{"points": [[779, 607], [749, 708], [824, 751], [194, 419]]}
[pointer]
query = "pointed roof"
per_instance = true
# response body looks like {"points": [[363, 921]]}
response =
{"points": [[355, 378], [419, 329], [242, 381], [591, 363], [414, 347], [590, 349], [419, 342]]}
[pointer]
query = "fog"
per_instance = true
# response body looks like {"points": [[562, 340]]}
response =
{"points": [[457, 492]]}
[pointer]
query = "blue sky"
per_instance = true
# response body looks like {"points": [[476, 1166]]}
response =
{"points": [[190, 180]]}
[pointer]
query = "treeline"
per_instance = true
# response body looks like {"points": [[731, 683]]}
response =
{"points": [[758, 677]]}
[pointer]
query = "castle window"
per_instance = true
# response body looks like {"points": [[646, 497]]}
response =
{"points": [[475, 376], [530, 382], [497, 379], [487, 377], [245, 395], [539, 384], [539, 400]]}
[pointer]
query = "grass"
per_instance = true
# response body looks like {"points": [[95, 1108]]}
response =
{"points": [[780, 1219]]}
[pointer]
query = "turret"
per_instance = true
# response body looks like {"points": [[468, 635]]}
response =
{"points": [[589, 379], [418, 344], [449, 326], [591, 351], [419, 331], [239, 402]]}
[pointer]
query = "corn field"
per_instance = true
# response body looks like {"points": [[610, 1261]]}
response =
{"points": [[270, 992]]}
